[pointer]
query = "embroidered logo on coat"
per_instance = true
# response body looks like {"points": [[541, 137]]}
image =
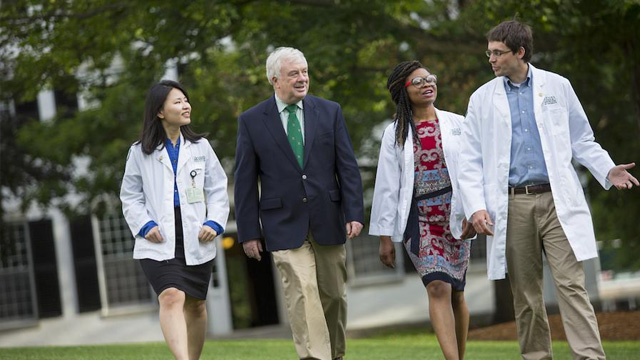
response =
{"points": [[199, 158], [548, 100], [456, 131]]}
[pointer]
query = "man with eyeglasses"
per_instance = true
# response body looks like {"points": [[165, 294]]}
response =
{"points": [[519, 188]]}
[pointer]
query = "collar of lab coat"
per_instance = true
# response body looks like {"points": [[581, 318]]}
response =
{"points": [[501, 102], [162, 155]]}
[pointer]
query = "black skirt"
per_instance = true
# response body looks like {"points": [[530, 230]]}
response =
{"points": [[175, 273]]}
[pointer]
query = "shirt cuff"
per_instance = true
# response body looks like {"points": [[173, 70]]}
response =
{"points": [[215, 226], [146, 228]]}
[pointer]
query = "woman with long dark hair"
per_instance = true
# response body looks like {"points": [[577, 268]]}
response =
{"points": [[174, 199], [416, 200]]}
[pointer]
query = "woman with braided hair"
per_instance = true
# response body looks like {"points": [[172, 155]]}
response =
{"points": [[416, 200]]}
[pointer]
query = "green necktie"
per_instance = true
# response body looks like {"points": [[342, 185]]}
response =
{"points": [[294, 133]]}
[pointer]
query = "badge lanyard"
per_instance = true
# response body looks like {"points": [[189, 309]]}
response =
{"points": [[193, 174], [194, 194]]}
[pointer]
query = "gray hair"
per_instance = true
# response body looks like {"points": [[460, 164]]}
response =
{"points": [[274, 61]]}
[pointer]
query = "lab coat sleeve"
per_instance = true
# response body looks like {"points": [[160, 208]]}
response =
{"points": [[457, 208], [215, 189], [132, 194], [458, 215], [584, 148], [470, 170], [387, 187]]}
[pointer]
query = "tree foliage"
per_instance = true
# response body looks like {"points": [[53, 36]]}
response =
{"points": [[111, 52]]}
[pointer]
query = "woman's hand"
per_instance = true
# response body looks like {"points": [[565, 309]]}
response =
{"points": [[387, 252], [154, 235], [207, 234]]}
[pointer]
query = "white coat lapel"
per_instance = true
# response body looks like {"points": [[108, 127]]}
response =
{"points": [[408, 159], [443, 127], [500, 100], [185, 153], [161, 155], [407, 174], [539, 80], [448, 130]]}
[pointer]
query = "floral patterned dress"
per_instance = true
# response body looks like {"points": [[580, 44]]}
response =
{"points": [[435, 254]]}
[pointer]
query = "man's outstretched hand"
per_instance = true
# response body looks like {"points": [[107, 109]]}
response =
{"points": [[620, 177]]}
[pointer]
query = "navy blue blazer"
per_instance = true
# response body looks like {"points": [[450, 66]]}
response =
{"points": [[320, 197]]}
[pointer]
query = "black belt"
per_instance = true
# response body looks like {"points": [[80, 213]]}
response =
{"points": [[412, 230], [530, 189], [434, 193]]}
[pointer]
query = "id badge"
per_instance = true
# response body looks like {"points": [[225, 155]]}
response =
{"points": [[195, 195]]}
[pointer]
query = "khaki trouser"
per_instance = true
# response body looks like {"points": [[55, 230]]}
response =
{"points": [[313, 278], [533, 228]]}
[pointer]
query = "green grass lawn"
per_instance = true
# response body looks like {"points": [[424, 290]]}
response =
{"points": [[388, 347]]}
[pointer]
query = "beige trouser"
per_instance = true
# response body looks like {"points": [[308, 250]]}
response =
{"points": [[533, 228], [313, 277]]}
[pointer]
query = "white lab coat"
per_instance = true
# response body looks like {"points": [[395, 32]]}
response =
{"points": [[395, 175], [147, 194], [565, 134]]}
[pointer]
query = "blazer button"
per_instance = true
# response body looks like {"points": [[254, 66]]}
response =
{"points": [[304, 200], [304, 177]]}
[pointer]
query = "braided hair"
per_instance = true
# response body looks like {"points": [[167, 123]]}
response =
{"points": [[404, 115]]}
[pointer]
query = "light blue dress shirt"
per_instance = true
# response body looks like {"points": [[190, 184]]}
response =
{"points": [[527, 165]]}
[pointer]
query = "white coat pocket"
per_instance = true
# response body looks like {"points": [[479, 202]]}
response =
{"points": [[559, 120]]}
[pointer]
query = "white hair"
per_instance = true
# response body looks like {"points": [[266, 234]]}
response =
{"points": [[275, 59]]}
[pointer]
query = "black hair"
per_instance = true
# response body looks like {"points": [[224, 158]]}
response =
{"points": [[153, 134], [399, 95]]}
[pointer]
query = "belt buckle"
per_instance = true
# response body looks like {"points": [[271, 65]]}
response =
{"points": [[526, 190]]}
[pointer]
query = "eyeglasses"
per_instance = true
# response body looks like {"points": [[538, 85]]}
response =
{"points": [[419, 82], [496, 53]]}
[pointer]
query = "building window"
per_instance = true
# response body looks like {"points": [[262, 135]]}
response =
{"points": [[27, 110], [17, 300], [363, 261], [66, 103], [124, 280]]}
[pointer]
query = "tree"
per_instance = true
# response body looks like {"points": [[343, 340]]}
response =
{"points": [[115, 50], [220, 48]]}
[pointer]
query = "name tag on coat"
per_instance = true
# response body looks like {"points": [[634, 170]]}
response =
{"points": [[195, 195]]}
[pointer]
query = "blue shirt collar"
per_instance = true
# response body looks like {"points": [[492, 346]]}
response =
{"points": [[508, 84], [169, 144]]}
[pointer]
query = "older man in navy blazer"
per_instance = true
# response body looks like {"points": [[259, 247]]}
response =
{"points": [[295, 147]]}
